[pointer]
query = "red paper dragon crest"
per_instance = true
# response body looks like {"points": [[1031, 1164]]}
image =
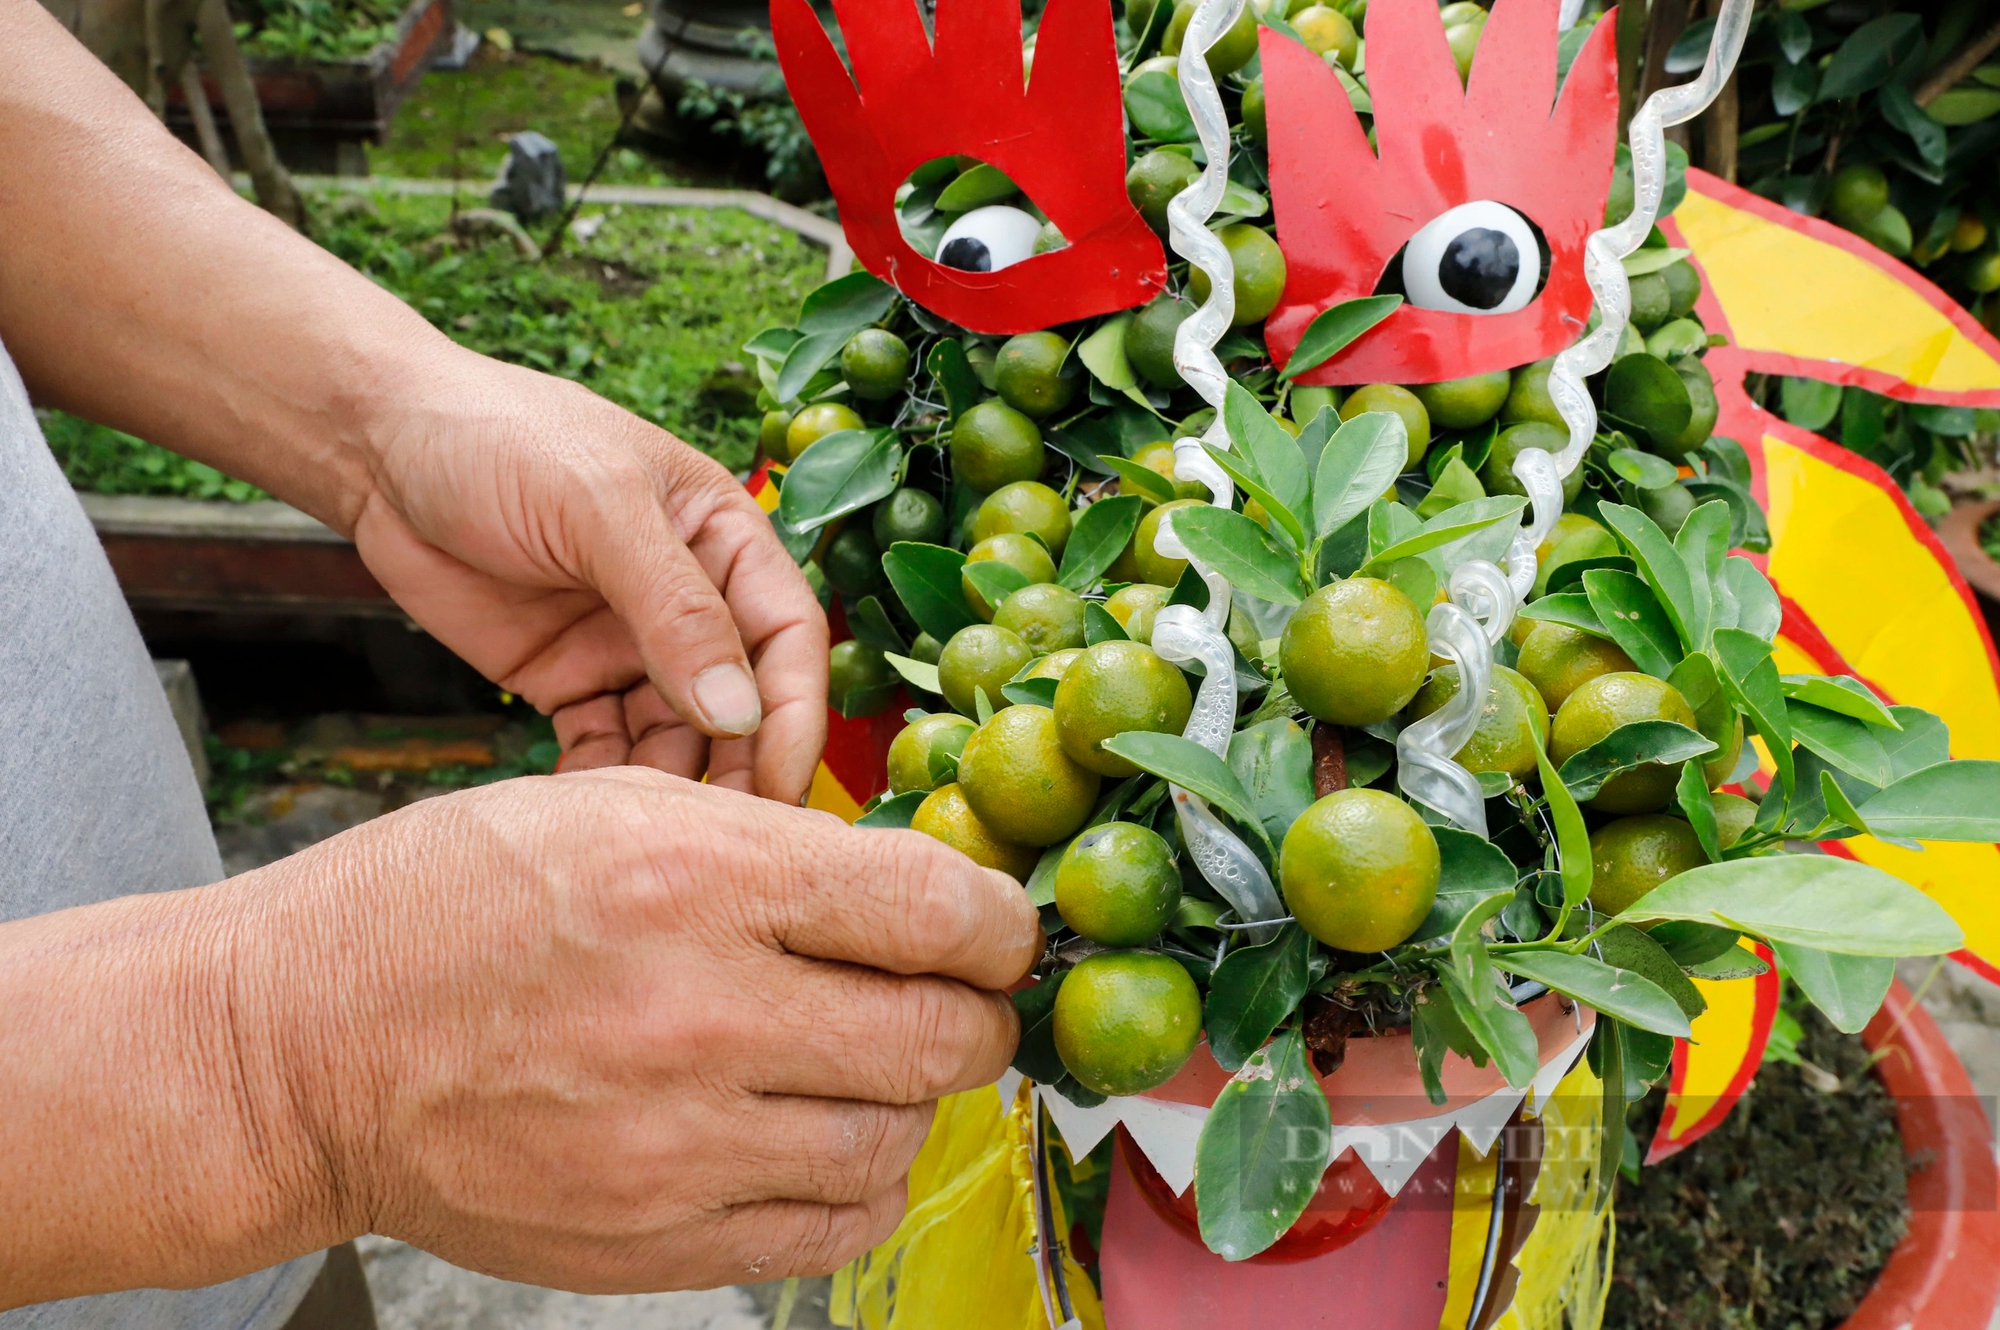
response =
{"points": [[1059, 136], [1344, 213]]}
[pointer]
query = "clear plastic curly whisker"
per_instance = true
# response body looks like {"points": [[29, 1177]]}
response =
{"points": [[1483, 591], [1182, 633], [1168, 542], [1604, 269], [1423, 772], [1188, 214]]}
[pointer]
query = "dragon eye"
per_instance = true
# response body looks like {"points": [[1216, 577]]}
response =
{"points": [[988, 239], [1478, 258]]}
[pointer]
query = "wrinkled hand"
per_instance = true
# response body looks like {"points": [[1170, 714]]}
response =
{"points": [[615, 1031], [604, 571]]}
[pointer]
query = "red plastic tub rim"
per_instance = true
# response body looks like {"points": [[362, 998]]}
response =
{"points": [[1945, 1273]]}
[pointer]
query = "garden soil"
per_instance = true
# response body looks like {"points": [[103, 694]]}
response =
{"points": [[1782, 1217]]}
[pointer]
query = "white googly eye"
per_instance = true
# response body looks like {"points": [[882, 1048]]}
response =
{"points": [[1478, 258], [988, 239]]}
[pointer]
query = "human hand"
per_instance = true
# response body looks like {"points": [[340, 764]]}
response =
{"points": [[603, 570], [614, 1031]]}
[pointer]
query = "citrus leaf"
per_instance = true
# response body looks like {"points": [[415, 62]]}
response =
{"points": [[893, 812], [1870, 55], [1273, 759], [1251, 991], [1813, 900], [1628, 747], [807, 357], [1689, 944], [1643, 469], [1360, 461], [1703, 544], [1036, 1057], [1696, 804], [1335, 328], [1099, 626], [1501, 1029], [1185, 763], [927, 579], [1838, 693], [920, 673], [1643, 261], [1758, 609], [1572, 836], [846, 304], [994, 580], [1809, 403], [1868, 752], [976, 186], [1102, 532], [948, 365], [1848, 989], [1103, 354], [1145, 480], [842, 473], [1261, 1151], [1030, 692], [1273, 456], [1634, 949], [874, 628], [1233, 467], [1751, 678], [1471, 869], [1659, 563], [1632, 617], [1625, 994], [1454, 523], [1571, 608], [1153, 101], [1643, 391], [1952, 801], [1241, 551]]}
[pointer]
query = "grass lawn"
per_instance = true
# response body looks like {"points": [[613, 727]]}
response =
{"points": [[464, 117], [643, 312]]}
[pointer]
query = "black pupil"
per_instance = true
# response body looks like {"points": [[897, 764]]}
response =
{"points": [[969, 254], [1479, 267]]}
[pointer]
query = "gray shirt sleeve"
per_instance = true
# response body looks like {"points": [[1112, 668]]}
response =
{"points": [[96, 795]]}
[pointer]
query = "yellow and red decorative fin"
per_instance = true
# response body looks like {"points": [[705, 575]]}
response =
{"points": [[1803, 297], [1712, 1070], [1866, 586]]}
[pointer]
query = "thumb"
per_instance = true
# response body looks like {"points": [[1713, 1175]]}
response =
{"points": [[684, 630]]}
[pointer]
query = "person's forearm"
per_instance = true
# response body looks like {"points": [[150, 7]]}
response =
{"points": [[142, 1139], [138, 289]]}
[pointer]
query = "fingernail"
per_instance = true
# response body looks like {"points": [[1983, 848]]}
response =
{"points": [[727, 698]]}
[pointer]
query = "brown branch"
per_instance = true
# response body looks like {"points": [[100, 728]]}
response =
{"points": [[205, 132], [239, 93], [1969, 57], [1329, 760], [1720, 125]]}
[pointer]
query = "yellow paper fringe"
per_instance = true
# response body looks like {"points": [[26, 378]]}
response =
{"points": [[1565, 1265], [963, 1255]]}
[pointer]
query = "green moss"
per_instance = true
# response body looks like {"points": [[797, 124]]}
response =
{"points": [[642, 313]]}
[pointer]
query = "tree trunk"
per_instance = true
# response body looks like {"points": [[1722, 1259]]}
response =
{"points": [[273, 184], [145, 41], [205, 132]]}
